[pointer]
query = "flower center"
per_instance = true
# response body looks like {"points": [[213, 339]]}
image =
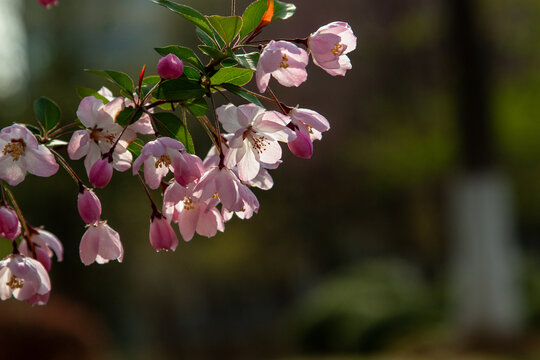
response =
{"points": [[15, 283], [97, 134], [188, 203], [284, 62], [15, 148], [259, 143], [338, 49], [163, 161], [109, 137]]}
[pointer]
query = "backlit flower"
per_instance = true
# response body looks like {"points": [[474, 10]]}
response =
{"points": [[330, 45], [23, 278], [283, 60], [100, 243], [20, 152]]}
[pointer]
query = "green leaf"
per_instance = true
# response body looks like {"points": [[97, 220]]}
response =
{"points": [[148, 84], [47, 113], [207, 40], [237, 90], [174, 127], [192, 74], [189, 14], [227, 27], [235, 76], [229, 62], [254, 13], [179, 89], [135, 147], [116, 77], [212, 52], [197, 107], [249, 61], [183, 53], [151, 80], [128, 116], [84, 92]]}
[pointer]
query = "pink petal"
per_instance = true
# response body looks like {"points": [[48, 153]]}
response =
{"points": [[40, 161], [78, 145], [89, 245]]}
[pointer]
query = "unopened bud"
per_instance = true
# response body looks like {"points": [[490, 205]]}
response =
{"points": [[302, 145], [48, 3], [170, 67], [89, 206], [10, 227], [101, 173], [162, 235]]}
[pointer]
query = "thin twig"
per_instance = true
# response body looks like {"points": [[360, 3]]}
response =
{"points": [[68, 168]]}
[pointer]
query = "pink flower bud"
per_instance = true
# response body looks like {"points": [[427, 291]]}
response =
{"points": [[48, 3], [89, 206], [302, 145], [162, 235], [101, 173], [10, 227], [170, 67]]}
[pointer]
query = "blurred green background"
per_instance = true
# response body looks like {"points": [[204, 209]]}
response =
{"points": [[350, 255]]}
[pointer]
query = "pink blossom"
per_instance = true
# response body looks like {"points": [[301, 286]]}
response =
{"points": [[101, 134], [309, 127], [263, 180], [285, 61], [192, 215], [250, 205], [100, 243], [141, 126], [45, 243], [23, 278], [20, 152], [187, 169], [255, 139], [222, 183], [89, 206], [164, 154], [101, 173], [10, 227], [41, 255], [162, 235], [330, 45], [170, 67], [48, 3]]}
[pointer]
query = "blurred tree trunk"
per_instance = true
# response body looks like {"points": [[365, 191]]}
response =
{"points": [[484, 263]]}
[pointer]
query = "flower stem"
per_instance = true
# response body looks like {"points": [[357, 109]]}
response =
{"points": [[68, 168], [152, 203]]}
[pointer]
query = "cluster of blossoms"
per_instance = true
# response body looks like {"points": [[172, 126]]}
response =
{"points": [[126, 132]]}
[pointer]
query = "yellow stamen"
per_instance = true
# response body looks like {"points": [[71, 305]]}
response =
{"points": [[259, 143], [338, 49], [284, 62], [188, 203], [15, 148], [15, 283], [163, 161]]}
